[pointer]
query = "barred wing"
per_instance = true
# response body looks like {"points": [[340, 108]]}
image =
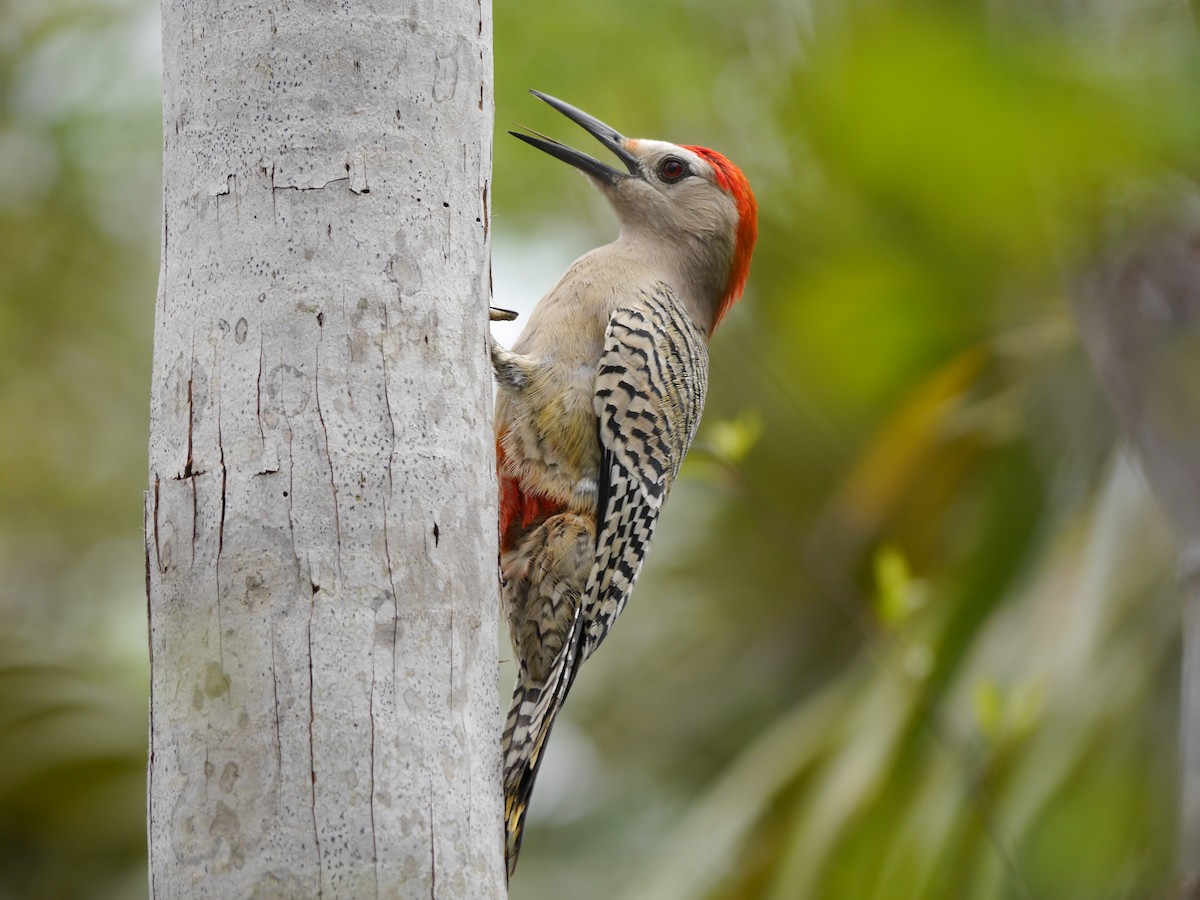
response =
{"points": [[649, 396]]}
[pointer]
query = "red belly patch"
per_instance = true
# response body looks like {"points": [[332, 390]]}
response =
{"points": [[519, 509]]}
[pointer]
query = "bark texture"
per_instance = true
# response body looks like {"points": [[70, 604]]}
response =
{"points": [[320, 518]]}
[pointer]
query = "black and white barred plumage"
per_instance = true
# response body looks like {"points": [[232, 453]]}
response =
{"points": [[649, 394], [598, 402]]}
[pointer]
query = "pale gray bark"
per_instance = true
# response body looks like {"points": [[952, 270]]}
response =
{"points": [[320, 519]]}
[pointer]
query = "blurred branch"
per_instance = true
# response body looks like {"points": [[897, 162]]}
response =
{"points": [[1137, 306], [1138, 309]]}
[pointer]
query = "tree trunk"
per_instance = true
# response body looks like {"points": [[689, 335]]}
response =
{"points": [[320, 519]]}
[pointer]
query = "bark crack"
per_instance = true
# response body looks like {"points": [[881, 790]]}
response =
{"points": [[306, 187], [387, 553], [195, 517], [371, 802], [432, 845], [220, 527], [387, 546], [337, 518], [157, 549], [278, 736], [287, 422], [166, 249], [188, 472], [312, 758], [487, 218], [258, 394]]}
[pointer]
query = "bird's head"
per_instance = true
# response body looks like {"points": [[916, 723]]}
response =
{"points": [[688, 204]]}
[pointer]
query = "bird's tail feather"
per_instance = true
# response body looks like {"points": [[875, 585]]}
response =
{"points": [[530, 718]]}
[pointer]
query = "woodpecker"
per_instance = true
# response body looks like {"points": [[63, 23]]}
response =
{"points": [[597, 403]]}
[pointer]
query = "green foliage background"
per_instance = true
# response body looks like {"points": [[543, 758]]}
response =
{"points": [[909, 629]]}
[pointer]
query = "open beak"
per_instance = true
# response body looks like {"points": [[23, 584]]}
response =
{"points": [[609, 137]]}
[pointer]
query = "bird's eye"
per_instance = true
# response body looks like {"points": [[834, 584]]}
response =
{"points": [[672, 169]]}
